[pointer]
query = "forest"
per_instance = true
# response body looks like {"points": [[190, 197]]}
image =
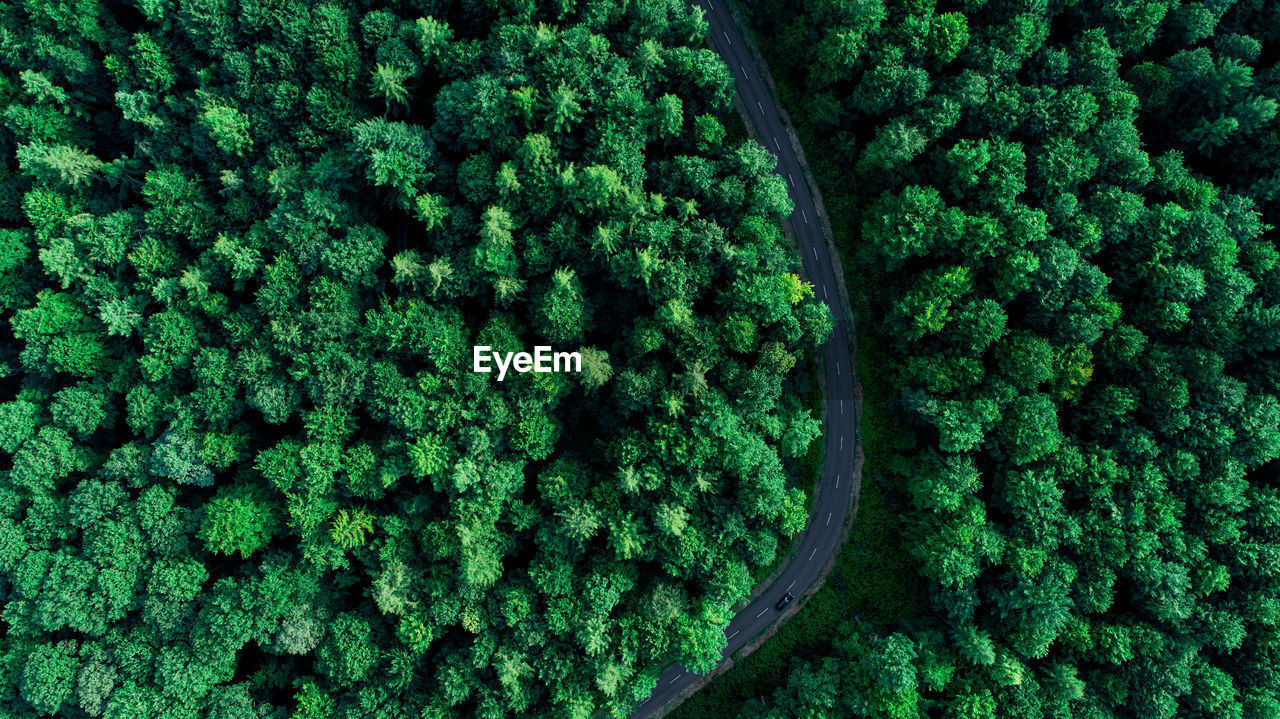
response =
{"points": [[246, 249], [1062, 218]]}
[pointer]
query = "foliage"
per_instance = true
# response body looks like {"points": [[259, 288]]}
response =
{"points": [[1061, 213], [247, 249]]}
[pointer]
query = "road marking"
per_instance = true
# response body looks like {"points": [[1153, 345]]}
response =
{"points": [[726, 37], [673, 681], [789, 586], [761, 108], [646, 701], [815, 551], [837, 369], [775, 144], [745, 76], [815, 252], [841, 447], [828, 519], [713, 5], [762, 611], [824, 292], [793, 182], [735, 633], [837, 481], [841, 406], [806, 217]]}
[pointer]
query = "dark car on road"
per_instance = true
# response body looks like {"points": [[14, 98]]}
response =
{"points": [[786, 599]]}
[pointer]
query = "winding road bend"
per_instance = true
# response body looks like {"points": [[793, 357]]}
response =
{"points": [[821, 538]]}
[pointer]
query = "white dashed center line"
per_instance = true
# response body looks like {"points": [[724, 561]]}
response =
{"points": [[824, 292], [735, 633], [762, 611], [791, 179], [837, 481], [726, 37], [775, 144], [828, 519], [744, 73], [789, 586], [761, 108], [815, 252], [815, 551], [673, 681], [806, 217]]}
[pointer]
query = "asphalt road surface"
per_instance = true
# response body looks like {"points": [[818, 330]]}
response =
{"points": [[821, 537]]}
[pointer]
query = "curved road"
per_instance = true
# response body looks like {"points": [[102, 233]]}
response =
{"points": [[821, 538]]}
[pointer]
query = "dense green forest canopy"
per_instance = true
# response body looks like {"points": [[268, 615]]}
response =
{"points": [[246, 249], [1062, 215]]}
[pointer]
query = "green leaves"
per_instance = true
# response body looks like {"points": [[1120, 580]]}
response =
{"points": [[563, 313], [351, 527], [348, 653], [58, 164], [890, 662], [171, 589], [228, 128], [235, 339], [19, 421], [1078, 337], [428, 456], [60, 337], [394, 155], [388, 84], [926, 308], [238, 520], [48, 676], [434, 36], [178, 206], [81, 410], [905, 224], [948, 36]]}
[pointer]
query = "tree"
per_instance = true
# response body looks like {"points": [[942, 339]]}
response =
{"points": [[563, 311], [171, 589], [394, 154], [975, 645], [890, 663], [48, 676], [1029, 429], [347, 654], [60, 337], [668, 116], [388, 83], [228, 128], [177, 457], [80, 410], [238, 520], [58, 163]]}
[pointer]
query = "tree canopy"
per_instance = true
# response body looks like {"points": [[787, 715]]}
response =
{"points": [[1062, 215], [247, 248]]}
